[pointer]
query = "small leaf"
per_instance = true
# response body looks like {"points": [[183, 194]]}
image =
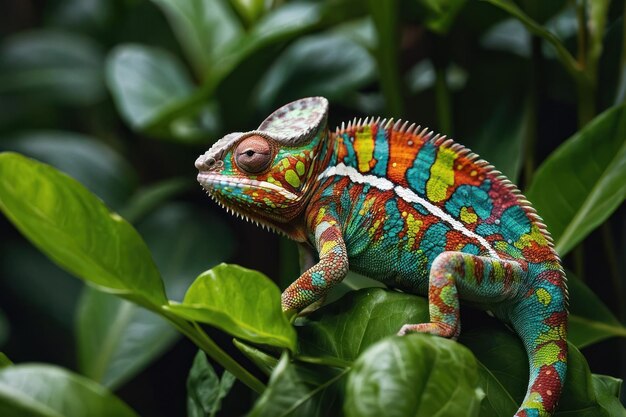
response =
{"points": [[242, 302], [204, 28], [582, 183], [205, 390], [608, 392], [301, 390], [590, 320], [117, 339], [416, 375], [439, 15], [250, 10], [74, 229], [52, 66], [344, 329], [262, 360], [48, 391], [4, 361]]}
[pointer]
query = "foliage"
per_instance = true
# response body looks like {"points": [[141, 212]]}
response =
{"points": [[105, 107]]}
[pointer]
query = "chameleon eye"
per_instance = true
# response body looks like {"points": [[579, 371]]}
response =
{"points": [[253, 154]]}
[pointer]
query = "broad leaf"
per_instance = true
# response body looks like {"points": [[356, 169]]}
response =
{"points": [[4, 361], [416, 375], [53, 66], [205, 390], [581, 183], [117, 339], [76, 230], [204, 28], [590, 321], [344, 329], [301, 390], [241, 302], [608, 392], [48, 391]]}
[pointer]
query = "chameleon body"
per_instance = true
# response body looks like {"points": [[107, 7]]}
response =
{"points": [[416, 211]]}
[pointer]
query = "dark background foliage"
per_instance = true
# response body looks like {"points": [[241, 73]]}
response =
{"points": [[124, 94]]}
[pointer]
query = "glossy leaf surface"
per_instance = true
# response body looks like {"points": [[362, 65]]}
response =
{"points": [[205, 390]]}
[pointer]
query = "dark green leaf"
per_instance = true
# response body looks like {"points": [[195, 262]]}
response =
{"points": [[49, 391], [250, 10], [4, 361], [204, 28], [300, 390], [416, 375], [265, 362], [345, 328], [149, 198], [116, 339], [608, 391], [205, 390], [329, 65], [590, 321], [72, 227], [581, 183], [98, 167], [241, 302], [439, 15], [51, 65]]}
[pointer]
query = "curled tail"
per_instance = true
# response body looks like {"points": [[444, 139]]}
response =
{"points": [[540, 319]]}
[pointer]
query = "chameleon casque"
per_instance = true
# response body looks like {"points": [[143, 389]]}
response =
{"points": [[413, 210]]}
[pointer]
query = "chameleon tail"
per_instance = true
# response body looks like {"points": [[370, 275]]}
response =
{"points": [[540, 319]]}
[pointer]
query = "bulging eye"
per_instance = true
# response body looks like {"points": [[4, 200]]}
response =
{"points": [[253, 154]]}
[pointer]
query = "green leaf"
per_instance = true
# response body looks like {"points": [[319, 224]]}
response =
{"points": [[346, 328], [608, 392], [590, 320], [582, 183], [92, 163], [205, 390], [301, 390], [330, 65], [250, 10], [204, 28], [76, 230], [416, 375], [149, 198], [117, 339], [438, 15], [4, 361], [52, 66], [262, 360], [34, 390], [4, 328], [242, 302]]}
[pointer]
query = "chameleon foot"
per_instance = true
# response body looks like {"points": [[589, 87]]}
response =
{"points": [[438, 329]]}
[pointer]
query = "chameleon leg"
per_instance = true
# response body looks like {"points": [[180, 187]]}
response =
{"points": [[331, 269], [473, 277]]}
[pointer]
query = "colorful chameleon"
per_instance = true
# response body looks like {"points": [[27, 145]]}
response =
{"points": [[414, 210]]}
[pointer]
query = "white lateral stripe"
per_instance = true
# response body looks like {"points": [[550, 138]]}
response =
{"points": [[407, 195]]}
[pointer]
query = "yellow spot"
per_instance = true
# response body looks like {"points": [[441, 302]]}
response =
{"points": [[547, 354], [413, 228], [459, 167], [364, 147], [285, 163], [498, 272], [543, 296], [468, 217], [327, 247], [535, 235], [320, 215], [441, 175], [292, 178], [300, 168], [473, 173], [394, 164], [404, 213]]}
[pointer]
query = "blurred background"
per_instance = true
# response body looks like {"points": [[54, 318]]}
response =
{"points": [[124, 94]]}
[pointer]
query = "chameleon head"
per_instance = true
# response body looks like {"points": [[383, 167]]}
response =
{"points": [[264, 174]]}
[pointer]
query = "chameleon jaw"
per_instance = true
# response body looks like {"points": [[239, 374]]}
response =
{"points": [[209, 181]]}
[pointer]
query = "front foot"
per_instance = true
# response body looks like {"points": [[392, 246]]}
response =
{"points": [[437, 329]]}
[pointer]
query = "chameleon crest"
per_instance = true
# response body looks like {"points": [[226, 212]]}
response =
{"points": [[414, 210]]}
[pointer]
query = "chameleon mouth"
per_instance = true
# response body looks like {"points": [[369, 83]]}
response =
{"points": [[210, 181]]}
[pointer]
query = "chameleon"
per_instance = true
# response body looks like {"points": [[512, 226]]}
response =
{"points": [[412, 209]]}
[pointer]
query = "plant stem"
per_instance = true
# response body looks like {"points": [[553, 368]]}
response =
{"points": [[203, 341]]}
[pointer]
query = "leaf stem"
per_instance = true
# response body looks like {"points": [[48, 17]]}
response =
{"points": [[328, 361], [195, 333]]}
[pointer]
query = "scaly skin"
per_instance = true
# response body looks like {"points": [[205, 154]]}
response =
{"points": [[416, 211]]}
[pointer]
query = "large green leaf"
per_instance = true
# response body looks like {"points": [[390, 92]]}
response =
{"points": [[241, 302], [204, 28], [416, 375], [590, 320], [205, 390], [116, 339], [581, 183], [76, 230], [301, 390], [608, 392], [53, 66], [344, 329], [48, 391]]}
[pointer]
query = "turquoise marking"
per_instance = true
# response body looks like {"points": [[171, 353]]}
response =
{"points": [[350, 158], [381, 153], [419, 173], [470, 196], [514, 223], [471, 248], [317, 279], [434, 241]]}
